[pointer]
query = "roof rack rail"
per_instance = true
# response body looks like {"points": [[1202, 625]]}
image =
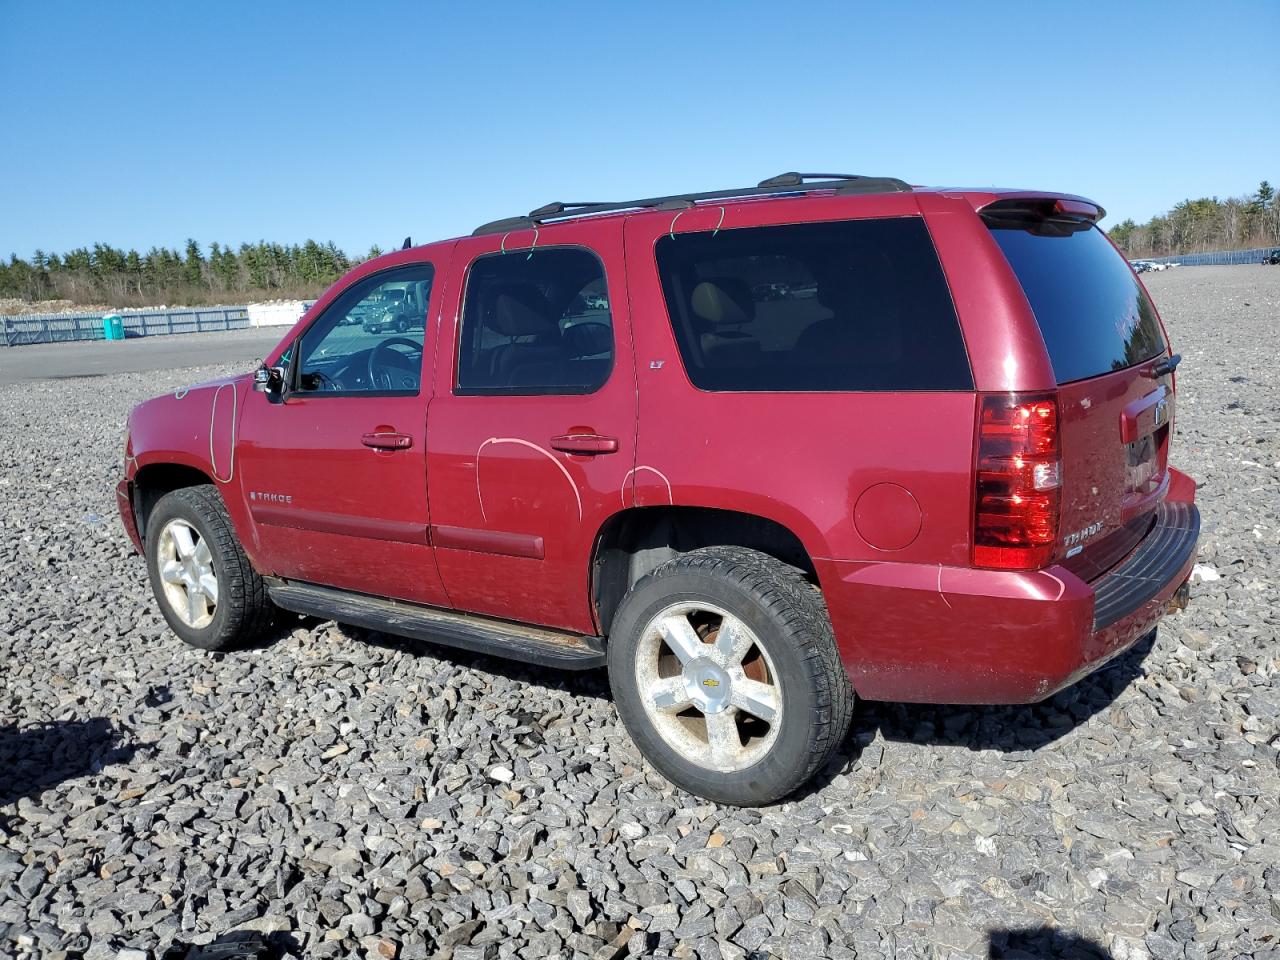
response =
{"points": [[783, 183], [794, 179]]}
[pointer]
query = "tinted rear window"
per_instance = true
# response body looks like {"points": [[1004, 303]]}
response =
{"points": [[847, 305], [1093, 313]]}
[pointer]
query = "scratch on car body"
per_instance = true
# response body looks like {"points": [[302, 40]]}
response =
{"points": [[213, 415], [940, 593], [633, 471], [1062, 587], [532, 446]]}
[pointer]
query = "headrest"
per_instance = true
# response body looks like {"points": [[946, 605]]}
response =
{"points": [[723, 302], [588, 339], [835, 284], [520, 310]]}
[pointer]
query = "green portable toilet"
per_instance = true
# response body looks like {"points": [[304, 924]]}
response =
{"points": [[112, 327]]}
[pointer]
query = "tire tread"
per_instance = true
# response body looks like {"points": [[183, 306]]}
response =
{"points": [[798, 606], [250, 611]]}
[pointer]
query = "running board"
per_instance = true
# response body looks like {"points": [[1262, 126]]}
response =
{"points": [[498, 638]]}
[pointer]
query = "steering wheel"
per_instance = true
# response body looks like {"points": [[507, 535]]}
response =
{"points": [[381, 379]]}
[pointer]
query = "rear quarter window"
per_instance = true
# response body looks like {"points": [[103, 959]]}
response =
{"points": [[853, 305], [1093, 314]]}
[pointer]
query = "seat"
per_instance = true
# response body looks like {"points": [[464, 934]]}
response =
{"points": [[522, 314], [864, 328], [719, 306]]}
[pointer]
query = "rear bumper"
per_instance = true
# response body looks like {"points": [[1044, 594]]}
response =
{"points": [[1157, 561], [933, 634]]}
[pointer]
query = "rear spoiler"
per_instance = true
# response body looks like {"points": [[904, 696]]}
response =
{"points": [[1043, 214]]}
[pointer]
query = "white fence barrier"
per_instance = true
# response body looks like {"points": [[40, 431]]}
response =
{"points": [[50, 328], [276, 313], [54, 327]]}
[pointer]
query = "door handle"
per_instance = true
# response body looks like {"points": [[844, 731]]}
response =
{"points": [[585, 444], [1132, 414], [387, 441]]}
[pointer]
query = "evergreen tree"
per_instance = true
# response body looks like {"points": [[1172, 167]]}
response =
{"points": [[133, 271], [193, 268]]}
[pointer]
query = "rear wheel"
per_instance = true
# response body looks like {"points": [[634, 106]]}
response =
{"points": [[725, 672], [209, 594]]}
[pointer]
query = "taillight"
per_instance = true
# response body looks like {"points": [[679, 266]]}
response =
{"points": [[1017, 493]]}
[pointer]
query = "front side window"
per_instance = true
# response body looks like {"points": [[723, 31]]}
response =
{"points": [[836, 306], [370, 339], [535, 324]]}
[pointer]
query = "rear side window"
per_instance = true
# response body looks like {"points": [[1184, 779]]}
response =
{"points": [[536, 323], [1094, 315], [839, 306]]}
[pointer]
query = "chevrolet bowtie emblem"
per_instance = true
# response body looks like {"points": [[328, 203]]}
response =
{"points": [[709, 682]]}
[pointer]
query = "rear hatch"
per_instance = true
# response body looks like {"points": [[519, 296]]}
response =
{"points": [[1106, 343]]}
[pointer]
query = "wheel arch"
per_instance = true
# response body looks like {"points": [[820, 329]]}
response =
{"points": [[153, 480], [636, 540]]}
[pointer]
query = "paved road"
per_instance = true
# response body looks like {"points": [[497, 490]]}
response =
{"points": [[95, 358]]}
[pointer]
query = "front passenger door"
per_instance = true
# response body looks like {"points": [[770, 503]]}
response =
{"points": [[335, 472]]}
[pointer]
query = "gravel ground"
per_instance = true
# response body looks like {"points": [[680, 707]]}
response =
{"points": [[356, 797]]}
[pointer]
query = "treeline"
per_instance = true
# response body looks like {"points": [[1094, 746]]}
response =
{"points": [[1199, 226], [105, 274], [120, 278]]}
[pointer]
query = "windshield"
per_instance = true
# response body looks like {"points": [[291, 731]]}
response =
{"points": [[1094, 315]]}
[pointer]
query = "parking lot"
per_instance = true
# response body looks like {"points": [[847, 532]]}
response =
{"points": [[358, 795], [99, 358]]}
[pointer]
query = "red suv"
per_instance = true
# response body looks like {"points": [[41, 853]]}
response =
{"points": [[756, 450]]}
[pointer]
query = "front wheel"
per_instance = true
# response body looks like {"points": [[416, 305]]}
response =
{"points": [[725, 672], [209, 594]]}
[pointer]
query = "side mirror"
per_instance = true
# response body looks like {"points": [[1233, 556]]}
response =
{"points": [[268, 379]]}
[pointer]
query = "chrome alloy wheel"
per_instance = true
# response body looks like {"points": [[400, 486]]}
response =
{"points": [[186, 567], [709, 686]]}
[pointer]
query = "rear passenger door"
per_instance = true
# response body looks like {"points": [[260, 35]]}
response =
{"points": [[531, 431]]}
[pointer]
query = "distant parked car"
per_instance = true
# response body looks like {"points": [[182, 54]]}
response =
{"points": [[1272, 258], [1140, 266], [763, 292]]}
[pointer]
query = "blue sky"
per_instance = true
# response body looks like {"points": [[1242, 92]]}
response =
{"points": [[141, 124]]}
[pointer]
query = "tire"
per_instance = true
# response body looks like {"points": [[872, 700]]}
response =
{"points": [[402, 326], [764, 608], [240, 609]]}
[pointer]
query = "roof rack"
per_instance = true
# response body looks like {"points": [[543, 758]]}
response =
{"points": [[783, 183]]}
